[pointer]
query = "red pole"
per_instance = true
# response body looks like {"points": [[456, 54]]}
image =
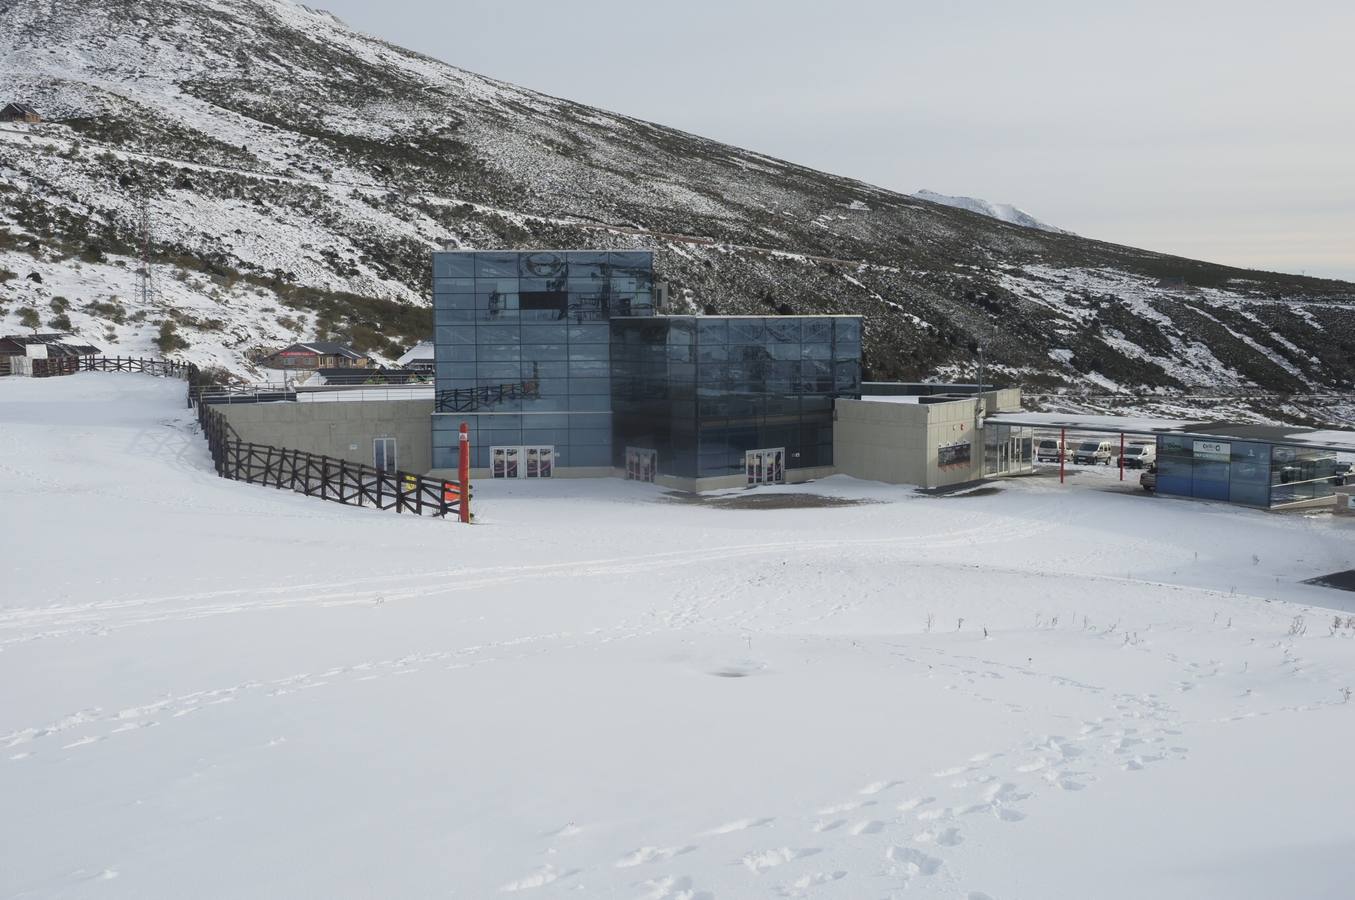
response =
{"points": [[1122, 456], [463, 472], [1063, 450]]}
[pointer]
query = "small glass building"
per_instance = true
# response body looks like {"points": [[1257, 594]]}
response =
{"points": [[559, 365], [1248, 464]]}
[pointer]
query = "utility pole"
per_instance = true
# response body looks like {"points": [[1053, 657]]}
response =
{"points": [[145, 281]]}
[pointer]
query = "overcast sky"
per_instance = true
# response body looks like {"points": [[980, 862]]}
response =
{"points": [[1222, 131]]}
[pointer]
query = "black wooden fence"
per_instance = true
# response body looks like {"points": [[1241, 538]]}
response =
{"points": [[162, 367], [326, 477]]}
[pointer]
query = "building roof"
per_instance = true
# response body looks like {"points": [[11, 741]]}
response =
{"points": [[325, 348], [421, 350], [20, 108], [53, 341], [1327, 439]]}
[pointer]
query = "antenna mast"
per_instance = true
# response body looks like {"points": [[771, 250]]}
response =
{"points": [[145, 279]]}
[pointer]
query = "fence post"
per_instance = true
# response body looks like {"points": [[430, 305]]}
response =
{"points": [[1063, 451], [463, 471]]}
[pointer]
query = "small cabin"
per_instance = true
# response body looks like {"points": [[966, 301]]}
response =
{"points": [[317, 355], [418, 358], [19, 112], [41, 355]]}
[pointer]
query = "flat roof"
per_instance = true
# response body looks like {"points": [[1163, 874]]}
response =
{"points": [[744, 316], [1298, 435]]}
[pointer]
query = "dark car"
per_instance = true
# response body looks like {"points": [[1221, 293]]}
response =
{"points": [[1148, 480]]}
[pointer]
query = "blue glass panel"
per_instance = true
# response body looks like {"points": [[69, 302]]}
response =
{"points": [[547, 371], [496, 285], [453, 285], [498, 372], [543, 264], [544, 334], [461, 300], [496, 265], [785, 330], [454, 352], [816, 331], [847, 330], [746, 331], [589, 456], [498, 332], [589, 351], [447, 371], [544, 352], [586, 386], [453, 265], [711, 353], [590, 334], [1210, 479], [712, 332], [631, 262], [499, 353], [600, 403], [587, 265], [553, 436]]}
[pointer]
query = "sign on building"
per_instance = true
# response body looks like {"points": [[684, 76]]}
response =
{"points": [[956, 454], [1215, 450]]}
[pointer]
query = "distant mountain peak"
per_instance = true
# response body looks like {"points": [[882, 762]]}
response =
{"points": [[1003, 212]]}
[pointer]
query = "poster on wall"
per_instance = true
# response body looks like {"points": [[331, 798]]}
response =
{"points": [[953, 454]]}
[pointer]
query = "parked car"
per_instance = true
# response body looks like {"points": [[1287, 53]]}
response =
{"points": [[1093, 453], [1148, 480], [1139, 456], [1047, 450]]}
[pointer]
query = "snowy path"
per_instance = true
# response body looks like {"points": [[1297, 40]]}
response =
{"points": [[217, 690]]}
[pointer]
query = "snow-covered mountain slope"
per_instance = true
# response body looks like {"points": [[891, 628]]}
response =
{"points": [[1003, 212], [297, 174], [1037, 692]]}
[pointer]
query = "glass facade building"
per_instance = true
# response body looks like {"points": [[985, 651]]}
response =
{"points": [[703, 391], [522, 350], [1249, 472], [556, 359]]}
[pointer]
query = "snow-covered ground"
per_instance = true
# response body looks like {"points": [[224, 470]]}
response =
{"points": [[213, 689]]}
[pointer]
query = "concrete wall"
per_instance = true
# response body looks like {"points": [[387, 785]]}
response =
{"points": [[1345, 502], [899, 443], [343, 429]]}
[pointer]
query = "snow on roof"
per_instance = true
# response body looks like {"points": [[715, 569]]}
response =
{"points": [[325, 348], [1333, 439], [421, 350]]}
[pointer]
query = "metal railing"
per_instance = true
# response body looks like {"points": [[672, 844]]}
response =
{"points": [[473, 398]]}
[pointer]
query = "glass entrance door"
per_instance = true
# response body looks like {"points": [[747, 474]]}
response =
{"points": [[522, 462], [540, 461], [505, 461], [641, 464], [765, 466]]}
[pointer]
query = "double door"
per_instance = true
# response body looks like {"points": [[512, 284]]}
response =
{"points": [[641, 464], [522, 462], [765, 466]]}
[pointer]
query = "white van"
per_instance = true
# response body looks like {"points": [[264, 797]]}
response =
{"points": [[1093, 453], [1047, 449], [1140, 455]]}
